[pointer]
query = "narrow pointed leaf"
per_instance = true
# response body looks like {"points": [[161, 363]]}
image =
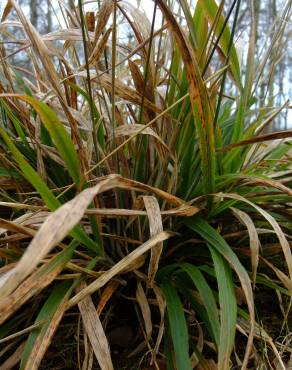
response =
{"points": [[48, 197], [33, 351], [178, 327], [59, 135], [210, 8], [228, 309], [216, 241], [207, 297]]}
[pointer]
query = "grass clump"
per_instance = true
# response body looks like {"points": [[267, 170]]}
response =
{"points": [[144, 205]]}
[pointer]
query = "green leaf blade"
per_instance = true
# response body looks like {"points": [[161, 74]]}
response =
{"points": [[60, 137], [178, 327], [228, 309], [207, 296], [50, 307]]}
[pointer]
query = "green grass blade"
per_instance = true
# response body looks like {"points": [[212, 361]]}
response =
{"points": [[16, 123], [48, 310], [30, 174], [186, 9], [211, 8], [60, 137], [60, 259], [178, 327], [9, 172], [168, 349], [200, 102], [207, 297], [215, 240], [48, 197], [201, 30], [99, 130], [228, 309]]}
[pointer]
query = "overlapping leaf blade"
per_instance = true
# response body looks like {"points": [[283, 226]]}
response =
{"points": [[228, 309], [215, 240], [60, 137], [178, 327]]}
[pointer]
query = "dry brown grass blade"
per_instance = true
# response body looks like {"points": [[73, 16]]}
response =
{"points": [[197, 354], [281, 236], [46, 57], [124, 183], [10, 184], [25, 224], [52, 231], [129, 130], [199, 97], [137, 76], [95, 332], [7, 10], [99, 48], [155, 224], [11, 23], [184, 211], [268, 182], [196, 87], [22, 332], [254, 243], [286, 281], [137, 49], [126, 93], [39, 46], [260, 333], [14, 359], [33, 219], [90, 21], [145, 309], [67, 34], [119, 267], [61, 222], [141, 26], [103, 16], [162, 306], [127, 184], [134, 265], [270, 118], [106, 295], [11, 226], [43, 341], [258, 139], [31, 286], [141, 87], [119, 147], [88, 356]]}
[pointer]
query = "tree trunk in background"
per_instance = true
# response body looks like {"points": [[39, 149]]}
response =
{"points": [[71, 5], [33, 12], [257, 11], [272, 17], [49, 17]]}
